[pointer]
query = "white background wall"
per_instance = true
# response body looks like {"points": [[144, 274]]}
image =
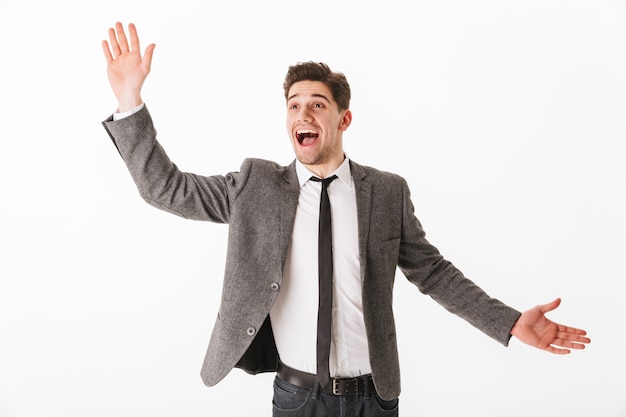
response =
{"points": [[507, 118]]}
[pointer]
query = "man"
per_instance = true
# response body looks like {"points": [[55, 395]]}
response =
{"points": [[319, 314]]}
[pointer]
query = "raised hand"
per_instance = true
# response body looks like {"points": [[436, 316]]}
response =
{"points": [[126, 68], [535, 329]]}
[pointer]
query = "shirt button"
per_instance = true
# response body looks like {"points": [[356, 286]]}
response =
{"points": [[275, 286], [251, 331]]}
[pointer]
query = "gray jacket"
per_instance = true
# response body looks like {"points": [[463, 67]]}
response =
{"points": [[259, 203]]}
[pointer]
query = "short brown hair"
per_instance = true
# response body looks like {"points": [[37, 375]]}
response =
{"points": [[318, 71]]}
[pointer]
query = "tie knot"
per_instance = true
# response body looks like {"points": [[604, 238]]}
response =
{"points": [[324, 181]]}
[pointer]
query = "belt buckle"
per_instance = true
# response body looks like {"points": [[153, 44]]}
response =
{"points": [[337, 386]]}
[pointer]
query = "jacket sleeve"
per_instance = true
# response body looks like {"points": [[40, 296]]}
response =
{"points": [[161, 183], [425, 267]]}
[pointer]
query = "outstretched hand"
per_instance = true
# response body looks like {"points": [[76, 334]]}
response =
{"points": [[126, 68], [535, 329]]}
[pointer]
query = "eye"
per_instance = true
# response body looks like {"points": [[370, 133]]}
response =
{"points": [[318, 106], [292, 106]]}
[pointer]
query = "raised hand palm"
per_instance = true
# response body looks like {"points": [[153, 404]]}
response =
{"points": [[127, 72]]}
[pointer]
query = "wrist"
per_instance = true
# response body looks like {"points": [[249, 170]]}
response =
{"points": [[516, 329], [128, 102]]}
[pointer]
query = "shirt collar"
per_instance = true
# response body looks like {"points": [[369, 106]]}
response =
{"points": [[342, 172]]}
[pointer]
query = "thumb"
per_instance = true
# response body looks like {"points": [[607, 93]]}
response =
{"points": [[550, 306], [147, 56]]}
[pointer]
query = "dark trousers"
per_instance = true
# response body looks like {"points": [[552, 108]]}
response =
{"points": [[293, 401]]}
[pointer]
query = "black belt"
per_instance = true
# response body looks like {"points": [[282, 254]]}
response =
{"points": [[337, 386]]}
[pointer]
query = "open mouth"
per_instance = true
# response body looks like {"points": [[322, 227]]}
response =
{"points": [[306, 137]]}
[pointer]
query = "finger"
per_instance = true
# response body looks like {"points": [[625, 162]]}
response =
{"points": [[134, 38], [560, 343], [571, 330], [147, 56], [578, 346], [115, 47], [107, 52], [574, 337], [121, 37], [557, 351]]}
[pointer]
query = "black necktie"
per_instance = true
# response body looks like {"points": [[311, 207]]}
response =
{"points": [[325, 262]]}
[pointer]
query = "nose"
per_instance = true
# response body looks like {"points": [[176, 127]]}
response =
{"points": [[304, 115]]}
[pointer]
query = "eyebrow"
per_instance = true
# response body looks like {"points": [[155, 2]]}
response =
{"points": [[313, 95]]}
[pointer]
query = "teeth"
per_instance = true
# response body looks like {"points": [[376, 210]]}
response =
{"points": [[302, 132]]}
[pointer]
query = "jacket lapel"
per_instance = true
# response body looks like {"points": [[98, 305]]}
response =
{"points": [[289, 193], [363, 207]]}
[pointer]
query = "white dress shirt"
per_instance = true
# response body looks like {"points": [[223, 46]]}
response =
{"points": [[124, 114], [294, 314]]}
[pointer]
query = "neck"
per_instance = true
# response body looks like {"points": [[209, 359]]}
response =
{"points": [[325, 169]]}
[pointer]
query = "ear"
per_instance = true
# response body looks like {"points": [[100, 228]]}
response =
{"points": [[345, 120]]}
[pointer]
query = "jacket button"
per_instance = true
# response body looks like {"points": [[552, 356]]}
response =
{"points": [[275, 286], [251, 331]]}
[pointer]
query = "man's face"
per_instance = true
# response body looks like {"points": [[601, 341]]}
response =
{"points": [[315, 125]]}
